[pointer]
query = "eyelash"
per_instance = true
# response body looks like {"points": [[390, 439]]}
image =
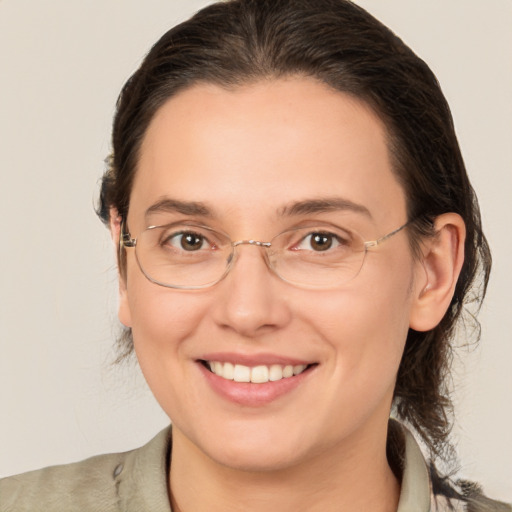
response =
{"points": [[168, 238], [332, 237]]}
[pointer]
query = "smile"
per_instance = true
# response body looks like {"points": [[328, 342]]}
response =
{"points": [[256, 374]]}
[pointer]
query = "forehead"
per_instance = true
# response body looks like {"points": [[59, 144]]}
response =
{"points": [[257, 148]]}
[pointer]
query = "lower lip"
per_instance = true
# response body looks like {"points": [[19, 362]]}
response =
{"points": [[250, 394]]}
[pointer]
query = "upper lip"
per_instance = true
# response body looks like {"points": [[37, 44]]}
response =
{"points": [[253, 359]]}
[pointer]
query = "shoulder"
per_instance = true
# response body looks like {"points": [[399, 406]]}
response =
{"points": [[110, 483], [67, 487]]}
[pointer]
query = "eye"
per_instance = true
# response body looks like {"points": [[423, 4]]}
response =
{"points": [[320, 242], [187, 241]]}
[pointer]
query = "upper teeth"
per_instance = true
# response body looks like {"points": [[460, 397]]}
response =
{"points": [[255, 374]]}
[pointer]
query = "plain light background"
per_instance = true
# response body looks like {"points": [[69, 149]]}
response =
{"points": [[62, 64]]}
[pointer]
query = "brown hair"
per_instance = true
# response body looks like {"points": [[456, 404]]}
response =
{"points": [[237, 42]]}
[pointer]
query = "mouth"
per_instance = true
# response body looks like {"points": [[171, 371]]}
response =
{"points": [[259, 374], [254, 381]]}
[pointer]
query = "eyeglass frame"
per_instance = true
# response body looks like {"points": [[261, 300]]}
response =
{"points": [[126, 241]]}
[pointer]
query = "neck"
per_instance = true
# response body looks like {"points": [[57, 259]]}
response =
{"points": [[353, 478]]}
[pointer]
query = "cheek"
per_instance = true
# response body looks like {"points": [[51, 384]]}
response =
{"points": [[162, 322], [365, 327], [362, 331], [161, 319]]}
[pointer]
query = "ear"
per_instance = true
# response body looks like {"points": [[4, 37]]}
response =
{"points": [[124, 313], [438, 272]]}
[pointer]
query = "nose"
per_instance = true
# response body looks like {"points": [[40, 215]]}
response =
{"points": [[251, 299]]}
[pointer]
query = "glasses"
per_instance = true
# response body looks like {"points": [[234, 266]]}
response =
{"points": [[190, 256]]}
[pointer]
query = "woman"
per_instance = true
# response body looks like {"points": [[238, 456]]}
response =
{"points": [[297, 238]]}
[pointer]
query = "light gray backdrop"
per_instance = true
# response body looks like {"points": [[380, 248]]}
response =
{"points": [[62, 64]]}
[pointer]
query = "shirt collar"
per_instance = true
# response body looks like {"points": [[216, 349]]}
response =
{"points": [[415, 490]]}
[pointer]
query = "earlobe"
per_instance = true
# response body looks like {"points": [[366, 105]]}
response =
{"points": [[438, 272], [124, 313]]}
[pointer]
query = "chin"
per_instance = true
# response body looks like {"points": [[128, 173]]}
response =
{"points": [[253, 449], [256, 460]]}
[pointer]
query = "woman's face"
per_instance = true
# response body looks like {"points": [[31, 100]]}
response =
{"points": [[257, 160]]}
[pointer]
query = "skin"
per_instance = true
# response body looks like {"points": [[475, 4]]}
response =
{"points": [[247, 153]]}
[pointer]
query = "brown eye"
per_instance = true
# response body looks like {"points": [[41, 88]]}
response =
{"points": [[186, 241], [191, 241], [321, 241]]}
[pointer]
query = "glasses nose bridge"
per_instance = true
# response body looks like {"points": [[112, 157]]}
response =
{"points": [[256, 243]]}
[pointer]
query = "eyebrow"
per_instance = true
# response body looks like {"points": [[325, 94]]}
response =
{"points": [[167, 205], [323, 205], [298, 208]]}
